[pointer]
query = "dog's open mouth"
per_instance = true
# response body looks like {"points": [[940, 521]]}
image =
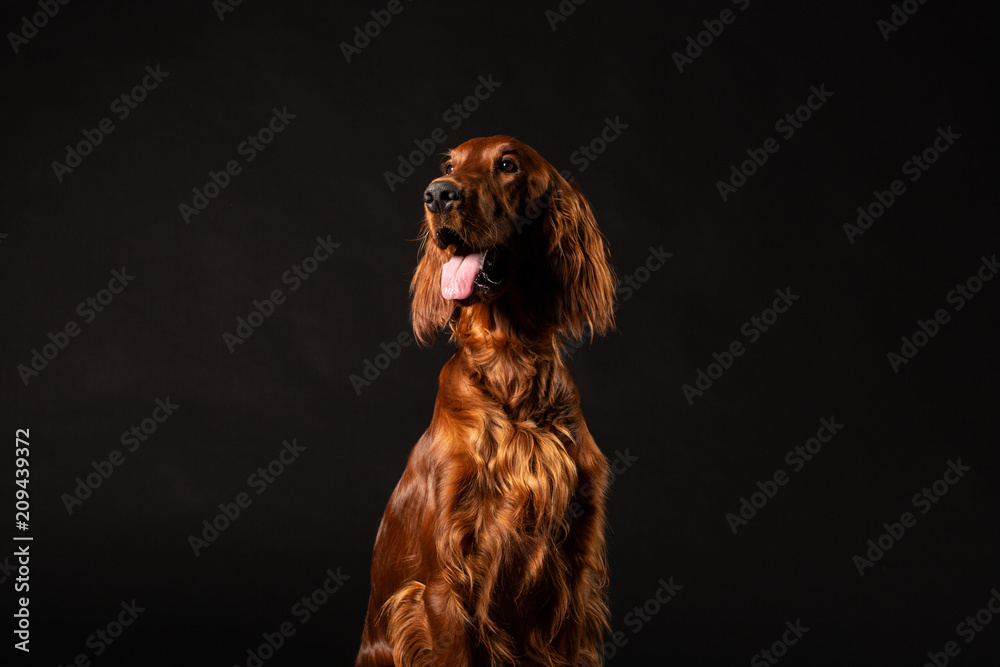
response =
{"points": [[469, 271]]}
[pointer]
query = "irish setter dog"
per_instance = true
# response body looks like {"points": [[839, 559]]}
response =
{"points": [[491, 550]]}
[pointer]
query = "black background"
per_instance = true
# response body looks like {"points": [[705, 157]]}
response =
{"points": [[653, 186]]}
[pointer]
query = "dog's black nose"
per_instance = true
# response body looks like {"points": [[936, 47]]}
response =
{"points": [[440, 195]]}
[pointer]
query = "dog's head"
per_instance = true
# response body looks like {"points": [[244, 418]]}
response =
{"points": [[504, 229]]}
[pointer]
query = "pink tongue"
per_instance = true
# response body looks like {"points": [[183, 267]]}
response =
{"points": [[458, 275]]}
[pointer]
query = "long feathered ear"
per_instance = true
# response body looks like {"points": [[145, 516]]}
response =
{"points": [[429, 310], [578, 256]]}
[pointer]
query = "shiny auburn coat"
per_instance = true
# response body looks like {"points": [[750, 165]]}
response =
{"points": [[491, 550]]}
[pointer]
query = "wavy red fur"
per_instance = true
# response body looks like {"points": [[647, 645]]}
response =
{"points": [[491, 550]]}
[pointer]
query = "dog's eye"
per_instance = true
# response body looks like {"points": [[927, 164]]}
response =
{"points": [[447, 167], [507, 166]]}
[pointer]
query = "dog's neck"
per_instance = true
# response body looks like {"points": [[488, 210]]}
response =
{"points": [[521, 372]]}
